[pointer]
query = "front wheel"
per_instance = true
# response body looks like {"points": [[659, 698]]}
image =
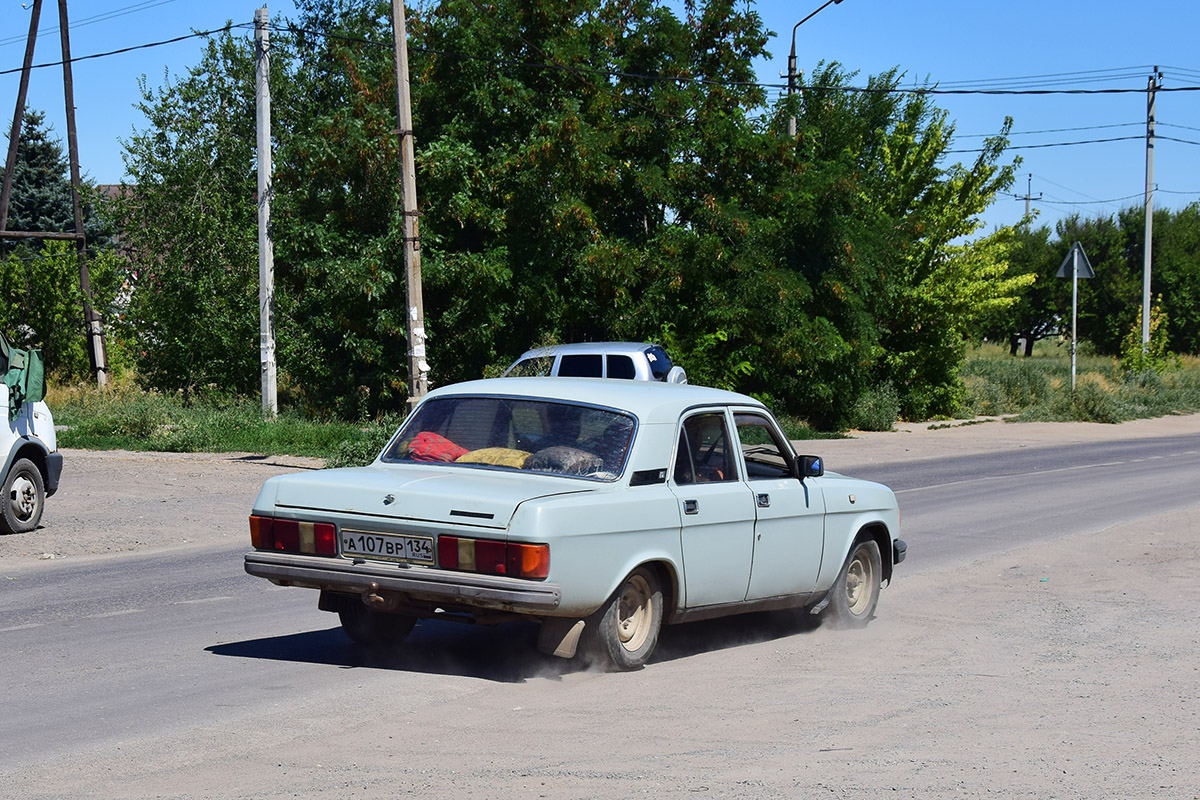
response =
{"points": [[372, 628], [853, 598], [623, 633], [24, 497]]}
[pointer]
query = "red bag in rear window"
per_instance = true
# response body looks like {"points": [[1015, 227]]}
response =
{"points": [[428, 446]]}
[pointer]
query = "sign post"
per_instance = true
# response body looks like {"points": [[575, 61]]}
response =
{"points": [[1080, 267]]}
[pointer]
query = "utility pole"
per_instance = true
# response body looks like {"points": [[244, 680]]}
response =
{"points": [[418, 367], [11, 164], [93, 329], [1154, 85], [1029, 196], [266, 246]]}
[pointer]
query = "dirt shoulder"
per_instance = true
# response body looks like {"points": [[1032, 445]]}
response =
{"points": [[113, 502]]}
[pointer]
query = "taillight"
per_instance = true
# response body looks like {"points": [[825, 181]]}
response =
{"points": [[293, 536], [496, 558]]}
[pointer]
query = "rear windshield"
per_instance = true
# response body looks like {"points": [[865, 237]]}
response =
{"points": [[517, 434]]}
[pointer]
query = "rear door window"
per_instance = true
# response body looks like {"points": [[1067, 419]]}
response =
{"points": [[590, 365], [621, 367]]}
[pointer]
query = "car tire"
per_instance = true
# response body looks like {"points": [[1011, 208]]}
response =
{"points": [[24, 497], [622, 635], [855, 594], [372, 628]]}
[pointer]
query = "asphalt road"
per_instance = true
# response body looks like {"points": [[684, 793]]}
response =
{"points": [[103, 651]]}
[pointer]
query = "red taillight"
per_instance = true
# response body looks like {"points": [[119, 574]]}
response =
{"points": [[293, 536], [260, 533], [447, 547], [494, 558], [325, 539]]}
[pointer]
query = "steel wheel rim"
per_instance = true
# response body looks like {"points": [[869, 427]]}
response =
{"points": [[860, 583], [635, 613], [23, 498]]}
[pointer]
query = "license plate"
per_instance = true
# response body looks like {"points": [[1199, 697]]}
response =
{"points": [[387, 547]]}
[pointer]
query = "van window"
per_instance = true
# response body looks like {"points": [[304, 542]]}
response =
{"points": [[621, 367], [590, 365]]}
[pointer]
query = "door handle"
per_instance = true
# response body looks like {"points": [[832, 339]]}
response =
{"points": [[691, 506], [764, 500]]}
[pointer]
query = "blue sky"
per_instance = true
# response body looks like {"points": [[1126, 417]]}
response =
{"points": [[1095, 44]]}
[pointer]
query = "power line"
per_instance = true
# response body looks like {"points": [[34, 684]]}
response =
{"points": [[1092, 202], [117, 12], [612, 73], [1060, 144], [129, 49], [1055, 130], [1089, 74]]}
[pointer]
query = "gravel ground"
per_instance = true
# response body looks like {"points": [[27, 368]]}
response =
{"points": [[1065, 669]]}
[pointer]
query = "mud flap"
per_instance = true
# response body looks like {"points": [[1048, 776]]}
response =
{"points": [[560, 636]]}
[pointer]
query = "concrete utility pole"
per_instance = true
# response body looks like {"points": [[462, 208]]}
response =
{"points": [[791, 76], [1154, 85], [418, 367], [266, 246], [1029, 196]]}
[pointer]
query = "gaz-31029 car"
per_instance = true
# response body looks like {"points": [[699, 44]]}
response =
{"points": [[601, 509]]}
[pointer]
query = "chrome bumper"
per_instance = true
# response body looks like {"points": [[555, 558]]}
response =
{"points": [[424, 583]]}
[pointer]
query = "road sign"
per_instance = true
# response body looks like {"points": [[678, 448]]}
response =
{"points": [[1069, 264], [1075, 266]]}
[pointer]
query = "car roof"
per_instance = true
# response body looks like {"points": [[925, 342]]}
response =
{"points": [[650, 401], [589, 347]]}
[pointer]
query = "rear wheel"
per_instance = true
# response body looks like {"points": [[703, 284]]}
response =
{"points": [[374, 628], [853, 598], [24, 497], [623, 633]]}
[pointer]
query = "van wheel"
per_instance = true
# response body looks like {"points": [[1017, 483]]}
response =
{"points": [[24, 497]]}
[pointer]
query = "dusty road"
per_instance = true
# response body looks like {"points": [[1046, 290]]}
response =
{"points": [[1061, 669]]}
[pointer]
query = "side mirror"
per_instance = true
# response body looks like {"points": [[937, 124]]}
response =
{"points": [[809, 467]]}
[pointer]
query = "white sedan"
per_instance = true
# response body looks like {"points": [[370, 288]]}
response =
{"points": [[602, 509]]}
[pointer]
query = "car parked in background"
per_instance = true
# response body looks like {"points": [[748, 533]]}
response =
{"points": [[637, 361], [600, 509]]}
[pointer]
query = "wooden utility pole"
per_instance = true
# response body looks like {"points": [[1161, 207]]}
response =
{"points": [[418, 367], [11, 164], [266, 246], [93, 329]]}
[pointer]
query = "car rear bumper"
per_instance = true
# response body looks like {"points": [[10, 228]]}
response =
{"points": [[419, 583], [899, 551]]}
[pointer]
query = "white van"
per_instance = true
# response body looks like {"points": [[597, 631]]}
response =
{"points": [[636, 361]]}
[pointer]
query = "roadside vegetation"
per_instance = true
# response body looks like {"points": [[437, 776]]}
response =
{"points": [[837, 274], [995, 383], [1038, 388]]}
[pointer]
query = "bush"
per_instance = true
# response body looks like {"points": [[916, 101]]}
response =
{"points": [[876, 409]]}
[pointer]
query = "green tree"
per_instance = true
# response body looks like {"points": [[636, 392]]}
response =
{"points": [[586, 169], [41, 189], [1038, 312], [188, 223]]}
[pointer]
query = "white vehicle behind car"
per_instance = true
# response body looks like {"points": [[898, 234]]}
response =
{"points": [[637, 361], [32, 464]]}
